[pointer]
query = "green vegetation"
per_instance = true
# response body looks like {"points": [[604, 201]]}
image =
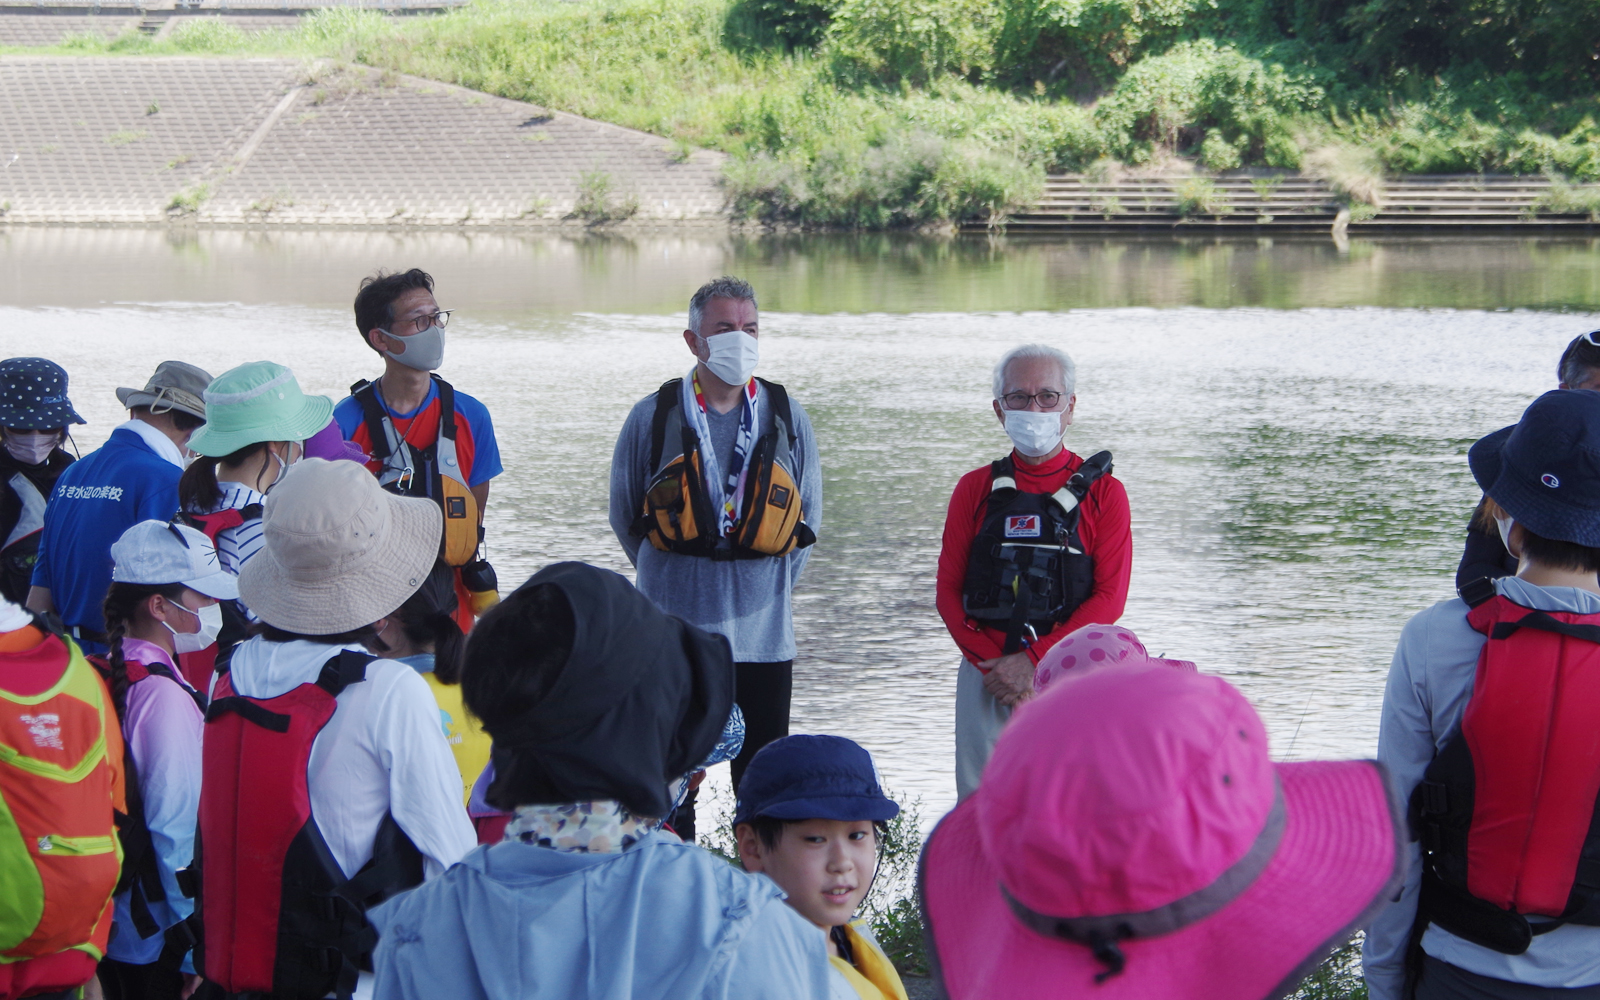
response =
{"points": [[880, 113]]}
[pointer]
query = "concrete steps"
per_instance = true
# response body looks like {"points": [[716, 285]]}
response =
{"points": [[1074, 202]]}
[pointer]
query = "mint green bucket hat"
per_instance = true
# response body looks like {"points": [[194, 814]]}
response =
{"points": [[258, 401]]}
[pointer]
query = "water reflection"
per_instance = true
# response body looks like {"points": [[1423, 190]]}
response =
{"points": [[1296, 475]]}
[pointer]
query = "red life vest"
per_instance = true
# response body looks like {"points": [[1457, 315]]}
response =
{"points": [[1507, 810], [278, 914]]}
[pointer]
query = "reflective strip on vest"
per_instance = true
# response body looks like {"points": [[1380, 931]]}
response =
{"points": [[32, 517]]}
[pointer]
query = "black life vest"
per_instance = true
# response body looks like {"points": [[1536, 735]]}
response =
{"points": [[677, 515], [1026, 570], [1508, 812], [140, 869], [433, 472], [19, 550], [278, 914]]}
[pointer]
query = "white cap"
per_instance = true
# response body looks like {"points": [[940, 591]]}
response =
{"points": [[159, 552]]}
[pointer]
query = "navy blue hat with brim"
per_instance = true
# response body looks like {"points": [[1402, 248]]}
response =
{"points": [[1544, 471], [33, 395], [813, 777]]}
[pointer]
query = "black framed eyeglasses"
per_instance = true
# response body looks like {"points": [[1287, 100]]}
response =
{"points": [[440, 319], [1019, 400]]}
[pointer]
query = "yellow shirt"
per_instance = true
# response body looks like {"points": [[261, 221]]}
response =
{"points": [[873, 976], [466, 737]]}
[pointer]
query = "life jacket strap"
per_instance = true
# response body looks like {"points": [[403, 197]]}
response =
{"points": [[1544, 622], [1478, 591]]}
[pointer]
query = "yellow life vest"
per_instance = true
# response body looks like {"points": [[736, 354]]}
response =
{"points": [[468, 742], [677, 515], [872, 976]]}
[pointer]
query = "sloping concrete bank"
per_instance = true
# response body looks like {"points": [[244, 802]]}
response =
{"points": [[278, 143]]}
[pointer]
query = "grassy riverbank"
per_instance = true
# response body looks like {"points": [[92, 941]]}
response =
{"points": [[879, 113]]}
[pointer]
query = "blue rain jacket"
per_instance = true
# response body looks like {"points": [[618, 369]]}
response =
{"points": [[660, 920]]}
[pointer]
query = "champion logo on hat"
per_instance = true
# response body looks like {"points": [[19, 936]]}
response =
{"points": [[1023, 526], [1550, 480]]}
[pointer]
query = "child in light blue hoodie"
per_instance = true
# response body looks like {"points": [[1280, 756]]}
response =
{"points": [[598, 704]]}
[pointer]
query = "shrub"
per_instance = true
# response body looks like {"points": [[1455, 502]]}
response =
{"points": [[1083, 44], [1199, 196], [916, 41], [1165, 102], [789, 23], [206, 35]]}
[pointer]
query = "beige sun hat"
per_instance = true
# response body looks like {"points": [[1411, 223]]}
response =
{"points": [[340, 552]]}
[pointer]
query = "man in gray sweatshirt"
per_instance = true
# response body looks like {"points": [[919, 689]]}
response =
{"points": [[716, 496]]}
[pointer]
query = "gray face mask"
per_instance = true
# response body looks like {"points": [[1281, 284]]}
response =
{"points": [[424, 351]]}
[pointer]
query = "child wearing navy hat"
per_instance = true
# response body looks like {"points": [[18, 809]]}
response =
{"points": [[809, 816]]}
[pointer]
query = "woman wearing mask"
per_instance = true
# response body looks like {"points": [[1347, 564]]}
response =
{"points": [[162, 602], [256, 422], [34, 416]]}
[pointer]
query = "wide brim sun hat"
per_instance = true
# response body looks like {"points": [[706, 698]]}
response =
{"points": [[33, 395], [1131, 839], [174, 386], [1544, 470], [1092, 646], [338, 552], [257, 401]]}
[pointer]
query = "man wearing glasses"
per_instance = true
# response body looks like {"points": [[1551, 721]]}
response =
{"points": [[426, 439], [1036, 546]]}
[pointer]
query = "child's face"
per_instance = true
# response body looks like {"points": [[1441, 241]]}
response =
{"points": [[825, 865]]}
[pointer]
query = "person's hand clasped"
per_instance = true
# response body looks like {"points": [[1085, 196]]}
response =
{"points": [[1008, 678]]}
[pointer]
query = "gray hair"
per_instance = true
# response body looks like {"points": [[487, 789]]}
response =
{"points": [[725, 287], [1027, 352]]}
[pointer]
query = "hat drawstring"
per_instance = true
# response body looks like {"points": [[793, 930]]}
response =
{"points": [[1106, 952]]}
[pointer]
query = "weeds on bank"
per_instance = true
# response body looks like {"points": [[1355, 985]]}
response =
{"points": [[882, 113]]}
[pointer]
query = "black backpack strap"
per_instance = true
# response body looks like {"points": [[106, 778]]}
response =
{"points": [[1478, 591], [1546, 623], [250, 712], [396, 865], [373, 415], [1093, 467], [447, 408], [666, 401], [782, 410], [162, 670], [252, 511], [345, 668]]}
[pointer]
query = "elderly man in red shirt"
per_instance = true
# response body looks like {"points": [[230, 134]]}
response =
{"points": [[1036, 545]]}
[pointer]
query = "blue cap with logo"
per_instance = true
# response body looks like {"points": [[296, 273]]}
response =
{"points": [[33, 395], [813, 777], [1545, 469]]}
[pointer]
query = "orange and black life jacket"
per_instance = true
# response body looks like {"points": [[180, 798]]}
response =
{"points": [[677, 514], [277, 912], [1508, 812]]}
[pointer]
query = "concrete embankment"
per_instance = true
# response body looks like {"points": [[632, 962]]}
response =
{"points": [[275, 143]]}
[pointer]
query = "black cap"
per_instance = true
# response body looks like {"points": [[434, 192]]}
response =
{"points": [[33, 395], [813, 777]]}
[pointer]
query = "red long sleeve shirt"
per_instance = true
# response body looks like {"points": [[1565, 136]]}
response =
{"points": [[1105, 528]]}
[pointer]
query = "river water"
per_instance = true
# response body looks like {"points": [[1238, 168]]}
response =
{"points": [[1290, 419]]}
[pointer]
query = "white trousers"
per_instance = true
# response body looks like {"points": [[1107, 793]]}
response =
{"points": [[979, 719]]}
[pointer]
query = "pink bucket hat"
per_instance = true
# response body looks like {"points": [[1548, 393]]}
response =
{"points": [[1131, 839], [1094, 645]]}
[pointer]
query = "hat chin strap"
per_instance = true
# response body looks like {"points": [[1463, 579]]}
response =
{"points": [[1101, 933]]}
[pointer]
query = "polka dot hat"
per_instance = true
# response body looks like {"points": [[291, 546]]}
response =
{"points": [[33, 395], [1095, 646]]}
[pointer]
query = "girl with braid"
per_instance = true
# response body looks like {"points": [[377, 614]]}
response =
{"points": [[162, 602]]}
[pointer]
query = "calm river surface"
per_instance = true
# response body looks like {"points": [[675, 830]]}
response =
{"points": [[1291, 421]]}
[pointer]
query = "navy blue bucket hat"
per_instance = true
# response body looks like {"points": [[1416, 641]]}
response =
{"points": [[813, 777], [33, 395], [1545, 469]]}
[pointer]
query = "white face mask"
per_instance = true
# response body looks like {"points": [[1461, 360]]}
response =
{"points": [[424, 351], [31, 447], [1504, 524], [732, 356], [193, 642], [1035, 434]]}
